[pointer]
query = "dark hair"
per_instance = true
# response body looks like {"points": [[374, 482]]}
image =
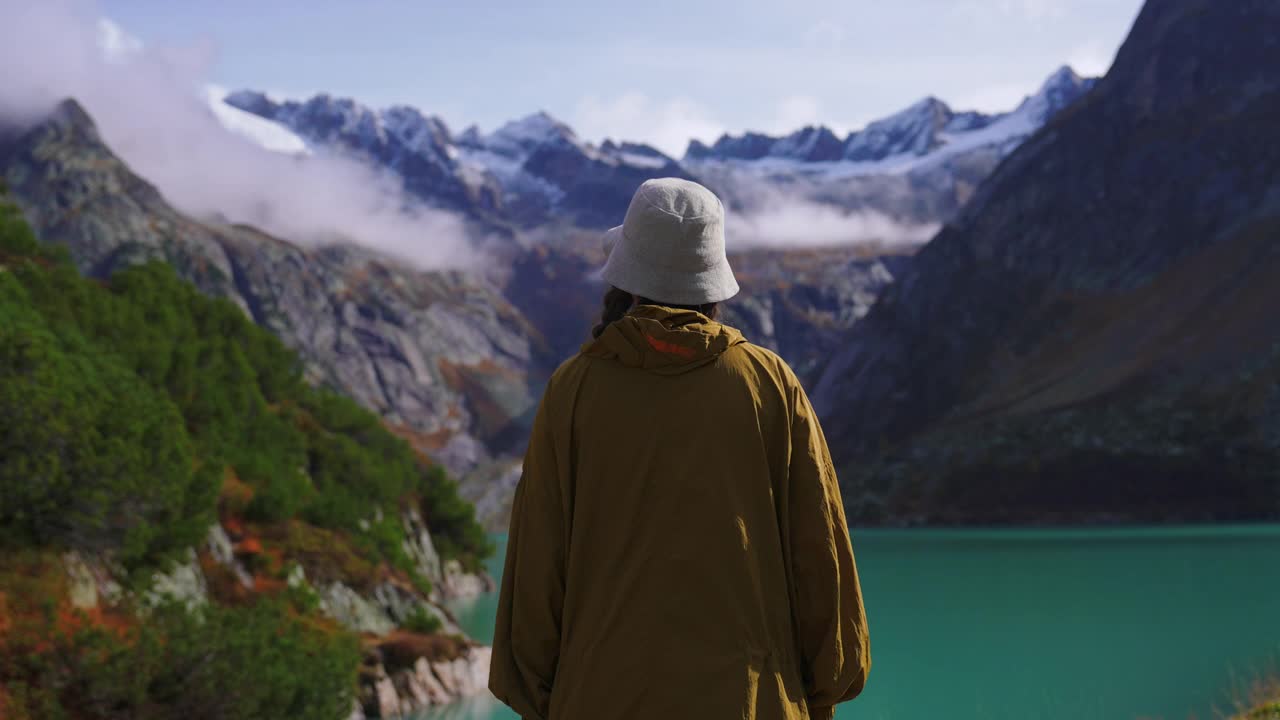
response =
{"points": [[618, 302]]}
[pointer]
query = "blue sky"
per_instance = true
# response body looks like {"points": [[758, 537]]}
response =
{"points": [[660, 70]]}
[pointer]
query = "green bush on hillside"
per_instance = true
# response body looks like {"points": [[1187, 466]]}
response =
{"points": [[90, 456], [124, 407], [213, 663], [128, 388], [421, 621]]}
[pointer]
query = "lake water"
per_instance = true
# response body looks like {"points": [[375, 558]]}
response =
{"points": [[1047, 624]]}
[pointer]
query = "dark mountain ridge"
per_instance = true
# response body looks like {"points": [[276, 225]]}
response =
{"points": [[1091, 338]]}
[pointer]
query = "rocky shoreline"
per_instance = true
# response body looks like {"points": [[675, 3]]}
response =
{"points": [[390, 688]]}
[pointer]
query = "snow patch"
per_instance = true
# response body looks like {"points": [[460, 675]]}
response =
{"points": [[509, 171], [518, 138], [260, 131]]}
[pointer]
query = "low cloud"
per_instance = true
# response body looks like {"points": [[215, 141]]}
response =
{"points": [[148, 104], [803, 223]]}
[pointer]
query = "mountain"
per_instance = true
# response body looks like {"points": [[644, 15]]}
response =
{"points": [[440, 355], [454, 361], [796, 302], [918, 166], [529, 172], [415, 147], [1091, 338], [921, 130], [260, 131], [534, 173], [915, 168], [177, 502], [552, 176]]}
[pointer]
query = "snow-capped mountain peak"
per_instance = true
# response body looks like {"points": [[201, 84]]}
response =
{"points": [[536, 168], [913, 131], [812, 144], [470, 138], [328, 117], [520, 137], [928, 130], [748, 146], [418, 132], [252, 101], [1062, 88]]}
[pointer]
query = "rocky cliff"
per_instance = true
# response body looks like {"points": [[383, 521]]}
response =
{"points": [[1091, 338]]}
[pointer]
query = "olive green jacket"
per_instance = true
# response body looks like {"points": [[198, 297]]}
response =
{"points": [[678, 546]]}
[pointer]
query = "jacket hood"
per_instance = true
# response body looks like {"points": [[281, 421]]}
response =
{"points": [[663, 340]]}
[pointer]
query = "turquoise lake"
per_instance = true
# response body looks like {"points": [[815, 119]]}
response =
{"points": [[1044, 624]]}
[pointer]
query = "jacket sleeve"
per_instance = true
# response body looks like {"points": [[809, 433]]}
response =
{"points": [[830, 618], [526, 642]]}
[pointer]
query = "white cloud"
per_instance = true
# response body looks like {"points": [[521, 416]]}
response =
{"points": [[789, 222], [262, 132], [115, 42], [148, 104], [667, 124]]}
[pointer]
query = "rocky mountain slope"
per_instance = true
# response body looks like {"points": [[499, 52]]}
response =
{"points": [[454, 360], [1092, 338], [440, 355], [171, 479]]}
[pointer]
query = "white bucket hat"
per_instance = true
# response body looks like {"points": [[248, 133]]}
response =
{"points": [[670, 247]]}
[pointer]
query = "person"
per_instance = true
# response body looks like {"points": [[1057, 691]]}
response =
{"points": [[677, 546]]}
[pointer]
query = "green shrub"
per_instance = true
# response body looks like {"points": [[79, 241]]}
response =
{"points": [[123, 406], [89, 455], [421, 621], [215, 663], [453, 520], [137, 382]]}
